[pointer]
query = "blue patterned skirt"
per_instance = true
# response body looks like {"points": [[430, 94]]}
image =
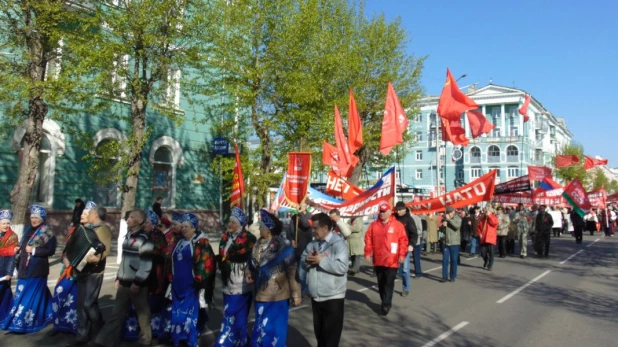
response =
{"points": [[64, 306], [6, 299], [271, 323], [185, 312], [32, 307], [160, 318], [234, 330]]}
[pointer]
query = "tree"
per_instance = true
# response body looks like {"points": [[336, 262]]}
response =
{"points": [[599, 180], [143, 52], [572, 172], [286, 63], [38, 77]]}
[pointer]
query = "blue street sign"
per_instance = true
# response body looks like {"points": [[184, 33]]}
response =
{"points": [[221, 145]]}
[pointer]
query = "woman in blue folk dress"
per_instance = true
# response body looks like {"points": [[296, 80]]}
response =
{"points": [[273, 270], [193, 273], [32, 305], [8, 243]]}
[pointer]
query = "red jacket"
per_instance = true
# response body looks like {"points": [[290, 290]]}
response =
{"points": [[386, 242], [487, 229]]}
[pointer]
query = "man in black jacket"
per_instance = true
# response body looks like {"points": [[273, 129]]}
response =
{"points": [[578, 226], [404, 217], [544, 224]]}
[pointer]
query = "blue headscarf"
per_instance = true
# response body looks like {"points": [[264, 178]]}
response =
{"points": [[6, 215], [38, 211], [89, 206], [192, 219], [152, 217], [178, 217], [268, 222], [239, 215]]}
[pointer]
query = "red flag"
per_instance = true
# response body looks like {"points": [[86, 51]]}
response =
{"points": [[453, 132], [330, 156], [538, 173], [576, 195], [238, 182], [479, 124], [524, 108], [453, 102], [566, 160], [593, 162], [394, 123], [340, 140], [337, 186], [355, 127], [297, 178]]}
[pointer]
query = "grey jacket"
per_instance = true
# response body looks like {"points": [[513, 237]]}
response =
{"points": [[137, 249], [419, 228], [452, 236], [327, 280]]}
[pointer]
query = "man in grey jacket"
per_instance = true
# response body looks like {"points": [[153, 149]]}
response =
{"points": [[326, 262], [452, 240]]}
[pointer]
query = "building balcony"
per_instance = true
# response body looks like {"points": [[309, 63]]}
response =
{"points": [[493, 158], [504, 139], [475, 160], [512, 158]]}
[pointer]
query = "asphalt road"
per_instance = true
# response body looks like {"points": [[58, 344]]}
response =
{"points": [[566, 300]]}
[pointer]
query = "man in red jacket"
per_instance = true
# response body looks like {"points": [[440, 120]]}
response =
{"points": [[387, 242], [487, 230]]}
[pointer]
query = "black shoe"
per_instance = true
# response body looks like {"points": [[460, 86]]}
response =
{"points": [[453, 280], [521, 256], [385, 310], [442, 280], [488, 269], [404, 293]]}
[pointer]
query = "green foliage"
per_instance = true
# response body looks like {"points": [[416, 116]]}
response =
{"points": [[599, 180], [576, 171], [285, 64]]}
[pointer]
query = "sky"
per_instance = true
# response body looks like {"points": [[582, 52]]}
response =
{"points": [[564, 53]]}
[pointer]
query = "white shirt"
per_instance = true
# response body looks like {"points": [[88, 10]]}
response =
{"points": [[557, 217], [122, 233]]}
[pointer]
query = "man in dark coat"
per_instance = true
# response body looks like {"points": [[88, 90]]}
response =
{"points": [[544, 224], [578, 226], [404, 217]]}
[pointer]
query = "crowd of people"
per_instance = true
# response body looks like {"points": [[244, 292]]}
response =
{"points": [[167, 267]]}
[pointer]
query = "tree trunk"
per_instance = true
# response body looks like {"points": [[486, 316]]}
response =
{"points": [[37, 110], [363, 155], [138, 113]]}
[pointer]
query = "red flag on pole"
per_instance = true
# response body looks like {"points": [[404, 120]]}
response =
{"points": [[394, 123], [453, 102], [524, 108], [538, 173], [355, 127], [453, 132], [593, 162], [297, 178], [330, 156], [238, 182], [566, 160], [340, 140], [479, 124]]}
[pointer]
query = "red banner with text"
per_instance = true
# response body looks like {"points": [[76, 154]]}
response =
{"points": [[549, 197], [514, 198], [481, 189], [298, 174], [519, 184], [598, 198], [339, 187], [538, 173]]}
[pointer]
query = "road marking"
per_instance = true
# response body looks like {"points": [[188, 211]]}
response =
{"points": [[446, 334], [253, 320], [434, 269], [472, 258], [516, 291], [367, 288], [592, 243], [567, 259]]}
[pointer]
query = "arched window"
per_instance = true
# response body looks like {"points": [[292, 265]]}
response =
{"points": [[512, 154], [493, 154], [107, 142], [52, 146], [165, 155], [475, 155]]}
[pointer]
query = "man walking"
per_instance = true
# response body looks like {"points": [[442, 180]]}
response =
{"points": [[487, 231], [544, 224], [387, 242], [403, 217], [418, 273], [503, 231], [451, 225], [325, 260], [522, 225], [578, 226], [131, 283], [90, 278]]}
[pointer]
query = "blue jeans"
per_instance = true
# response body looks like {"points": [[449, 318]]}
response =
{"points": [[404, 273], [417, 261], [474, 243], [450, 253]]}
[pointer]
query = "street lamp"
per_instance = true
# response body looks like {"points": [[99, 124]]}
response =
{"points": [[460, 77]]}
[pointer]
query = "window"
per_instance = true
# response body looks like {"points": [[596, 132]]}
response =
{"points": [[512, 172], [419, 174], [493, 154], [475, 155], [165, 155], [419, 155], [512, 154], [495, 132], [397, 177], [459, 174], [119, 76], [106, 193], [443, 159], [475, 172], [419, 136], [497, 171], [173, 88], [432, 120], [419, 118]]}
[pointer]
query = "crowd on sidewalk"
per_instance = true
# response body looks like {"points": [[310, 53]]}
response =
{"points": [[167, 267]]}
